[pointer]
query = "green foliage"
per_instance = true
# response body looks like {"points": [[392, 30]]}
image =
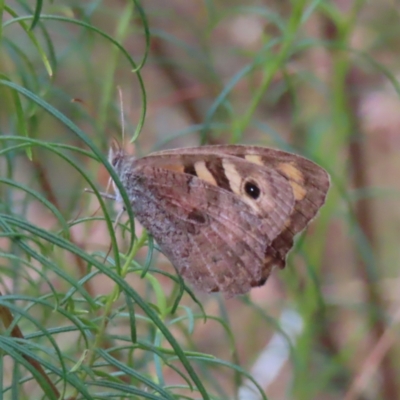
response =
{"points": [[90, 310]]}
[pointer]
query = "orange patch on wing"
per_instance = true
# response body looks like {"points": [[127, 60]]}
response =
{"points": [[204, 173], [175, 167], [296, 179], [234, 178], [292, 172], [299, 191], [254, 158], [287, 223]]}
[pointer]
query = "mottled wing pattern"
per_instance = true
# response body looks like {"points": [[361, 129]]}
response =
{"points": [[223, 215], [309, 182], [197, 208]]}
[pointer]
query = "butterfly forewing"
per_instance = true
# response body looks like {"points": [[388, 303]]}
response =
{"points": [[224, 215], [309, 182]]}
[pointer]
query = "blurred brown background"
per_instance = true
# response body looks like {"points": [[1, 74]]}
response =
{"points": [[318, 78]]}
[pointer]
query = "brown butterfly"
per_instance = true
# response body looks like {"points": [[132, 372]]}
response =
{"points": [[223, 215]]}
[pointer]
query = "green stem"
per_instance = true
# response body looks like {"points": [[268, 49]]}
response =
{"points": [[273, 64]]}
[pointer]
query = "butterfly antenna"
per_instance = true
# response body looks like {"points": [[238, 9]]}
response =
{"points": [[121, 110], [109, 186], [119, 146]]}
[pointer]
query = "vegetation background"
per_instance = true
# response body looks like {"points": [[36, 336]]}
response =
{"points": [[316, 77]]}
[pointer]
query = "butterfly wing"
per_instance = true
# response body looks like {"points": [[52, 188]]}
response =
{"points": [[212, 216], [309, 182]]}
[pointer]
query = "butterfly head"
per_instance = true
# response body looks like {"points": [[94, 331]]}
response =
{"points": [[116, 157]]}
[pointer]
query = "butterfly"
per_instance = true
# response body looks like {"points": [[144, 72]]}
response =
{"points": [[223, 215]]}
